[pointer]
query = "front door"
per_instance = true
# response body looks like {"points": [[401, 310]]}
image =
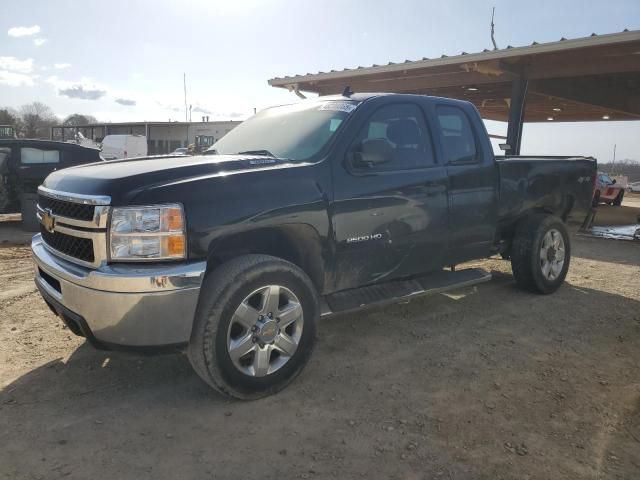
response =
{"points": [[390, 213]]}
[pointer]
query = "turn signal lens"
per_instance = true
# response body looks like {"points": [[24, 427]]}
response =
{"points": [[172, 219], [174, 246]]}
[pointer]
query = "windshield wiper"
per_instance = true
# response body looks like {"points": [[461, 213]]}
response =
{"points": [[263, 153]]}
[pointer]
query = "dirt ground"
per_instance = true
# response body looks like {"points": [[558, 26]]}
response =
{"points": [[485, 383]]}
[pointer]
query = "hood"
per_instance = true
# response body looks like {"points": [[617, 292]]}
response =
{"points": [[124, 178]]}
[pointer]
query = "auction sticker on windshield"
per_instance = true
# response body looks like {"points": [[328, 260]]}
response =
{"points": [[339, 106]]}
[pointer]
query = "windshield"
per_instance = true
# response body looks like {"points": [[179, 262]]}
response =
{"points": [[292, 132]]}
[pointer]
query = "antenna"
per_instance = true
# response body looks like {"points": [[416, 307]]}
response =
{"points": [[614, 158], [184, 81], [493, 30]]}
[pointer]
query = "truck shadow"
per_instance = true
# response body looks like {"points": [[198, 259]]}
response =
{"points": [[626, 252], [443, 356]]}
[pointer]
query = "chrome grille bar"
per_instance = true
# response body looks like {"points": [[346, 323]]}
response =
{"points": [[94, 229]]}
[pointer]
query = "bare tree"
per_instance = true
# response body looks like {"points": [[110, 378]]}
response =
{"points": [[630, 168], [7, 117], [78, 119], [36, 119]]}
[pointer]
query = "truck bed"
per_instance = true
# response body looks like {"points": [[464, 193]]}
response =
{"points": [[562, 185]]}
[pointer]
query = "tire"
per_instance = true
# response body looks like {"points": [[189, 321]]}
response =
{"points": [[533, 271], [240, 285], [618, 200]]}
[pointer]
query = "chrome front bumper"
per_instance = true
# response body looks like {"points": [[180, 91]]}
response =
{"points": [[122, 305]]}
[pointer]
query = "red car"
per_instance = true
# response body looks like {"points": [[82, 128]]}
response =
{"points": [[607, 191]]}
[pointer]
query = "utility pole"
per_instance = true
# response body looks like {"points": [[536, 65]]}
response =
{"points": [[493, 38], [614, 158], [184, 81]]}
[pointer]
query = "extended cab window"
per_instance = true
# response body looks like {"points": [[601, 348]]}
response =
{"points": [[30, 156], [396, 137], [458, 140]]}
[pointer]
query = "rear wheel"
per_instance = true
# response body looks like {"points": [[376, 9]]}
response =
{"points": [[255, 326], [618, 200], [541, 253]]}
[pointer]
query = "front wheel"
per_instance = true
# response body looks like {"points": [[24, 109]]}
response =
{"points": [[618, 201], [541, 253], [255, 326]]}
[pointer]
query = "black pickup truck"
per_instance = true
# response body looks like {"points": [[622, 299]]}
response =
{"points": [[304, 210]]}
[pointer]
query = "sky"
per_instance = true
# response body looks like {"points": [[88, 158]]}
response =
{"points": [[124, 60]]}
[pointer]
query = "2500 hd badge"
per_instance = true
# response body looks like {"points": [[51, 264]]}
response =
{"points": [[365, 238]]}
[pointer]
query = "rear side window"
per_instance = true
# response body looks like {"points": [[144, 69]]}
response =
{"points": [[400, 129], [458, 140], [30, 156]]}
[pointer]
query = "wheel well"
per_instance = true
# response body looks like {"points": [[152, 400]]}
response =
{"points": [[298, 244], [562, 210], [565, 207]]}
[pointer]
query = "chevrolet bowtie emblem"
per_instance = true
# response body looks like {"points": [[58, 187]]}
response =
{"points": [[48, 221]]}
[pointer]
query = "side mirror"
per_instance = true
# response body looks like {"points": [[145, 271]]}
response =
{"points": [[372, 152], [613, 182], [504, 147]]}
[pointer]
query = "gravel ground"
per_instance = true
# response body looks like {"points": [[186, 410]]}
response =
{"points": [[484, 383]]}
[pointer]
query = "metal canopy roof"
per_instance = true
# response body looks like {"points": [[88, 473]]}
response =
{"points": [[591, 78]]}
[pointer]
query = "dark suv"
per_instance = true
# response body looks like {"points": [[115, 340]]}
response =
{"points": [[24, 164]]}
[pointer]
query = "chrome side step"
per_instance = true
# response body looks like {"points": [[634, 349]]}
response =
{"points": [[391, 292]]}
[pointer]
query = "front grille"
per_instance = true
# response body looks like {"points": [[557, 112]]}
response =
{"points": [[76, 247], [77, 211]]}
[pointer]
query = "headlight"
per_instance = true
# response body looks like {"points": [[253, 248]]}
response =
{"points": [[147, 233]]}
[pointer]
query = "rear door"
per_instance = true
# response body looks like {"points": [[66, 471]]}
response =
{"points": [[389, 219], [472, 182]]}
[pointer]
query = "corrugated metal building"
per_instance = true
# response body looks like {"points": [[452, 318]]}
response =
{"points": [[162, 137]]}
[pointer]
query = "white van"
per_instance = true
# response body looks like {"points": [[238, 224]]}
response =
{"points": [[124, 146]]}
